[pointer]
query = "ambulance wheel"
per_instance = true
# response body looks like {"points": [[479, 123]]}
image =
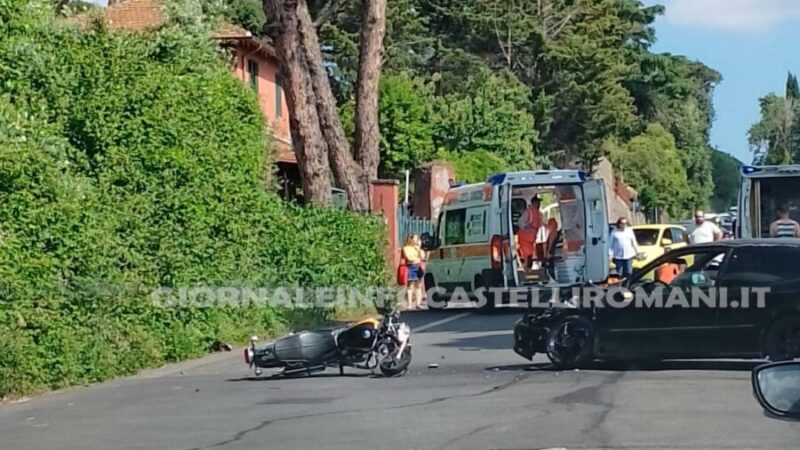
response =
{"points": [[489, 279], [477, 283], [438, 301], [782, 340]]}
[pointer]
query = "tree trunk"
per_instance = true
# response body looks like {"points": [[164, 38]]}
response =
{"points": [[307, 140], [348, 174], [316, 127], [367, 139]]}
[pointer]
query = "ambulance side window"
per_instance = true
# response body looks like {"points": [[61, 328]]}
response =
{"points": [[455, 226], [476, 225]]}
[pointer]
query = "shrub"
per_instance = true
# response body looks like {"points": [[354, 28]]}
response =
{"points": [[129, 162]]}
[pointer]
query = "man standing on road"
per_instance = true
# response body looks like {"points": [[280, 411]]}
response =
{"points": [[784, 227], [704, 230], [623, 248]]}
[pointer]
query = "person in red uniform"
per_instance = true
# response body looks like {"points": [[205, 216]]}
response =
{"points": [[529, 225]]}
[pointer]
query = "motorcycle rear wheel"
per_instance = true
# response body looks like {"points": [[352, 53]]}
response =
{"points": [[394, 366]]}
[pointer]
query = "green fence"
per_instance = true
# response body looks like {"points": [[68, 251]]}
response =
{"points": [[407, 225]]}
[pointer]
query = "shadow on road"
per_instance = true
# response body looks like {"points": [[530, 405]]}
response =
{"points": [[495, 341], [500, 319], [644, 366], [303, 377]]}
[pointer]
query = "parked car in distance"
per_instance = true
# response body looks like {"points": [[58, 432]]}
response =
{"points": [[726, 222], [733, 327], [656, 239]]}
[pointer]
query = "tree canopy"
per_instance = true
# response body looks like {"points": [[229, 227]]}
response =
{"points": [[727, 180], [775, 138], [538, 83], [652, 161]]}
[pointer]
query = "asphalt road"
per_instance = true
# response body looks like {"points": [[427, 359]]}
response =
{"points": [[481, 396]]}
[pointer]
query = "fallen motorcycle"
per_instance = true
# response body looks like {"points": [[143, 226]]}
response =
{"points": [[369, 344]]}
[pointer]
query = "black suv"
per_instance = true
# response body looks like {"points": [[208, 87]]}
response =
{"points": [[728, 299]]}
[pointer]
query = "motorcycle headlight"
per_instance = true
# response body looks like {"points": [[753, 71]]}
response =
{"points": [[403, 332]]}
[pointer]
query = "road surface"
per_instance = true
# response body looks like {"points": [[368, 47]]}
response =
{"points": [[481, 396]]}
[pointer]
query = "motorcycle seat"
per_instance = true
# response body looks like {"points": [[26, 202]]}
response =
{"points": [[310, 346]]}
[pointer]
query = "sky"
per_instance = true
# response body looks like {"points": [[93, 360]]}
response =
{"points": [[752, 43]]}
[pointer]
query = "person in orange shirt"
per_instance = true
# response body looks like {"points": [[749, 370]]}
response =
{"points": [[529, 224], [667, 272]]}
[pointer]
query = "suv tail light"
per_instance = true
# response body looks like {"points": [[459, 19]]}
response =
{"points": [[497, 250]]}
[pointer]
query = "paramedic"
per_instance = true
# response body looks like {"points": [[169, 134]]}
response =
{"points": [[529, 225]]}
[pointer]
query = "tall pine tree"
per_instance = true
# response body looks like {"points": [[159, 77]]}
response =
{"points": [[792, 89]]}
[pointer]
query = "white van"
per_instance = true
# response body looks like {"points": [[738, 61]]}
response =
{"points": [[475, 244], [765, 189]]}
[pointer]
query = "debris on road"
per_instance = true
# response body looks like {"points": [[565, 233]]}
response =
{"points": [[433, 366], [220, 346]]}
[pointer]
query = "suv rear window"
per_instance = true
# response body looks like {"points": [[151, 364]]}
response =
{"points": [[775, 262]]}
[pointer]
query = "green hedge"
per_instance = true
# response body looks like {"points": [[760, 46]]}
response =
{"points": [[130, 162]]}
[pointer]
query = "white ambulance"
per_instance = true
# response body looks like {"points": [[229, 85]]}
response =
{"points": [[476, 242], [765, 189]]}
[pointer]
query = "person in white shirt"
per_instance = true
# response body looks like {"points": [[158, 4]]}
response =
{"points": [[704, 230], [623, 248]]}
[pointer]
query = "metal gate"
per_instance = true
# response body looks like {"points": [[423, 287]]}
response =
{"points": [[407, 225]]}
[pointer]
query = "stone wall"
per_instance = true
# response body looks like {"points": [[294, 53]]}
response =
{"points": [[618, 195], [431, 183]]}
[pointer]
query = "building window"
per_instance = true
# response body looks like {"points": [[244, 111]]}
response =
{"points": [[278, 95], [252, 70]]}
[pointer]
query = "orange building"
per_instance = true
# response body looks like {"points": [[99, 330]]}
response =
{"points": [[254, 63]]}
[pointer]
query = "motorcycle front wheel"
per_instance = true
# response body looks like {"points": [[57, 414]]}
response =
{"points": [[393, 366]]}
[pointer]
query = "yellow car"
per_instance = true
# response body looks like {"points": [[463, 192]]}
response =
{"points": [[656, 239]]}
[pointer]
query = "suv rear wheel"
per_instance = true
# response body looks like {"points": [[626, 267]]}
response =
{"points": [[782, 341]]}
